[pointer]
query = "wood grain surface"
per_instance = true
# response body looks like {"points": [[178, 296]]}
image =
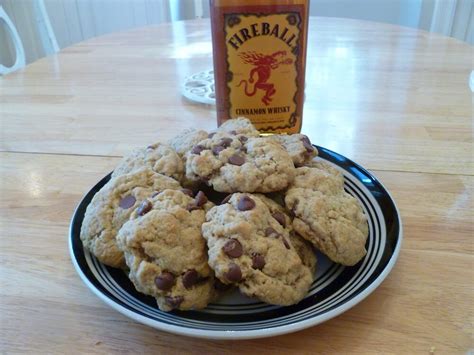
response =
{"points": [[394, 99]]}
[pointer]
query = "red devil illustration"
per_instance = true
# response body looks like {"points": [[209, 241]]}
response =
{"points": [[263, 66]]}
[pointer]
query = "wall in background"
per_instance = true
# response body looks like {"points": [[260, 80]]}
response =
{"points": [[453, 18], [77, 20], [398, 12]]}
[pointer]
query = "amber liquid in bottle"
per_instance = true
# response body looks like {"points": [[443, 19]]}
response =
{"points": [[259, 50]]}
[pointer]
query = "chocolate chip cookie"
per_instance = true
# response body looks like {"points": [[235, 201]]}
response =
{"points": [[187, 139], [159, 157], [184, 142], [112, 206], [165, 251], [298, 146], [240, 125], [231, 163], [327, 216], [251, 248], [303, 247], [326, 168], [319, 175]]}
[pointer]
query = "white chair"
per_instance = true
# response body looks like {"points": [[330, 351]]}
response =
{"points": [[45, 30], [19, 51]]}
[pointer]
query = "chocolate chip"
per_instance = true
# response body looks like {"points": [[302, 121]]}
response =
{"points": [[234, 274], [190, 278], [192, 206], [237, 160], [164, 281], [243, 149], [233, 132], [287, 244], [127, 202], [220, 286], [305, 139], [210, 135], [307, 144], [150, 147], [258, 261], [174, 301], [280, 217], [270, 231], [243, 139], [144, 208], [225, 142], [245, 203], [233, 248], [293, 211], [187, 192], [197, 149], [226, 199], [217, 149], [200, 198]]}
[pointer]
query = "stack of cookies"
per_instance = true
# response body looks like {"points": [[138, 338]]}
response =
{"points": [[206, 212]]}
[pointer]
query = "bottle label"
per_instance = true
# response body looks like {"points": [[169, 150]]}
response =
{"points": [[263, 61]]}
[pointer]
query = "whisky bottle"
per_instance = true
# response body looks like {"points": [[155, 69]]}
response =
{"points": [[259, 52]]}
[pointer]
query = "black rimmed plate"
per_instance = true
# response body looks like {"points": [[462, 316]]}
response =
{"points": [[336, 289]]}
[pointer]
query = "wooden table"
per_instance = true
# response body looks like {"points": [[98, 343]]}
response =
{"points": [[394, 99]]}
